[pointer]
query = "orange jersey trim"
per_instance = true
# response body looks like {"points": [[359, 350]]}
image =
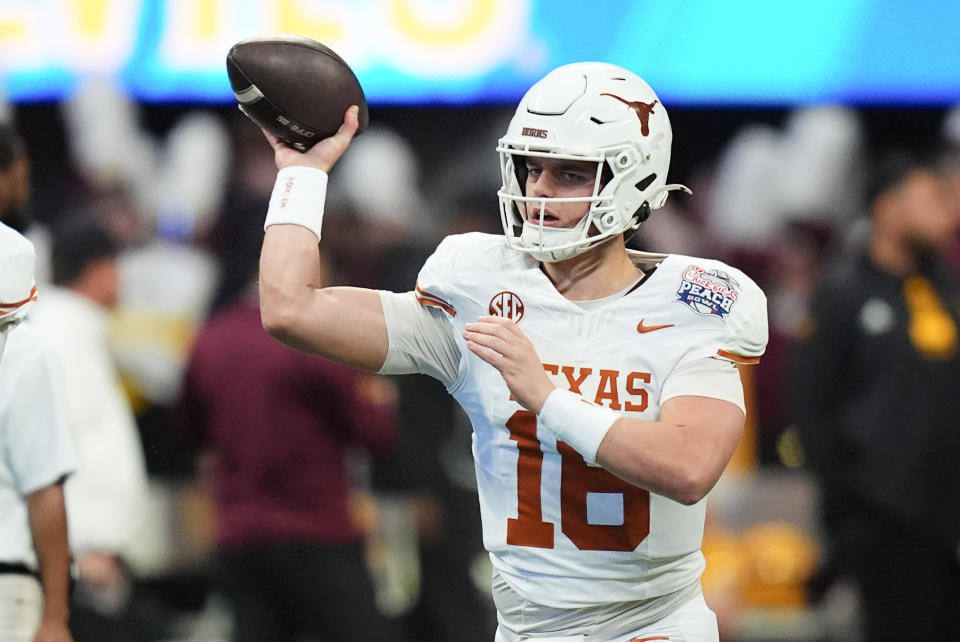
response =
{"points": [[747, 361], [17, 304], [425, 298]]}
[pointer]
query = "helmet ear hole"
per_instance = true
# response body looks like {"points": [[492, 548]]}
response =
{"points": [[643, 213]]}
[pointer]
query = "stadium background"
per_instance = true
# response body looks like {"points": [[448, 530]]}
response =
{"points": [[444, 76]]}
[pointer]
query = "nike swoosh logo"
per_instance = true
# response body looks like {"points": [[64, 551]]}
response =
{"points": [[650, 328]]}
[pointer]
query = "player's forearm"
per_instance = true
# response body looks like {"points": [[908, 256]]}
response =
{"points": [[681, 456], [289, 263], [48, 526], [660, 458]]}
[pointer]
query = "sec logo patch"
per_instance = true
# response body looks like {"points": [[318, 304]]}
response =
{"points": [[507, 305]]}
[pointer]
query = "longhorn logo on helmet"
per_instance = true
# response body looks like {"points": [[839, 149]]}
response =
{"points": [[642, 110]]}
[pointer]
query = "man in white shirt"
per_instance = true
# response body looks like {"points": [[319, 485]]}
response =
{"points": [[601, 383], [107, 495], [36, 456]]}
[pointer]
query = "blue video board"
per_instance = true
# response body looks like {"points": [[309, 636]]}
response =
{"points": [[706, 52]]}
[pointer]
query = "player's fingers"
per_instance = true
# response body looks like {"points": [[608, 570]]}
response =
{"points": [[495, 320], [507, 324], [273, 140], [350, 124], [491, 341], [495, 331], [485, 328], [490, 356], [495, 325]]}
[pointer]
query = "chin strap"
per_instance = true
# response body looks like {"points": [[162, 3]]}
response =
{"points": [[659, 198]]}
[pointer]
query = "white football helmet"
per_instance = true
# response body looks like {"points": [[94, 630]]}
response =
{"points": [[590, 111]]}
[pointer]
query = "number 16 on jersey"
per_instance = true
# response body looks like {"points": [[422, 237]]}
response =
{"points": [[577, 481]]}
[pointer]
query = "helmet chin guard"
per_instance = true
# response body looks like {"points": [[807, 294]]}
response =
{"points": [[586, 112]]}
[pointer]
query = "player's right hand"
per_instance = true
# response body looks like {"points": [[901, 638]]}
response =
{"points": [[325, 154], [502, 344]]}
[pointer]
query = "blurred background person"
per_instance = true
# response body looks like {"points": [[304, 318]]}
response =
{"points": [[873, 383], [14, 179], [278, 432], [158, 193], [951, 171], [37, 457], [169, 279], [248, 188], [106, 497]]}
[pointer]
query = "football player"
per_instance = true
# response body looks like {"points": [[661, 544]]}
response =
{"points": [[601, 383]]}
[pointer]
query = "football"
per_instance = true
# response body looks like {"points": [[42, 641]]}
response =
{"points": [[294, 87]]}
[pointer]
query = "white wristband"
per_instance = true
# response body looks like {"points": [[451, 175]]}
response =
{"points": [[298, 198], [576, 421]]}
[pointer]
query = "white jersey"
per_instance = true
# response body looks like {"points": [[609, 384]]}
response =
{"points": [[36, 447], [560, 532]]}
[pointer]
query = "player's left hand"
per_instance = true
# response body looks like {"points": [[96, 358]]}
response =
{"points": [[502, 344]]}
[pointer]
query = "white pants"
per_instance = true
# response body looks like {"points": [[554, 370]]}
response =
{"points": [[692, 622], [21, 603]]}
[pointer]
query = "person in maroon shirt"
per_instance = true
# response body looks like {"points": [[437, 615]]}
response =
{"points": [[276, 425]]}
